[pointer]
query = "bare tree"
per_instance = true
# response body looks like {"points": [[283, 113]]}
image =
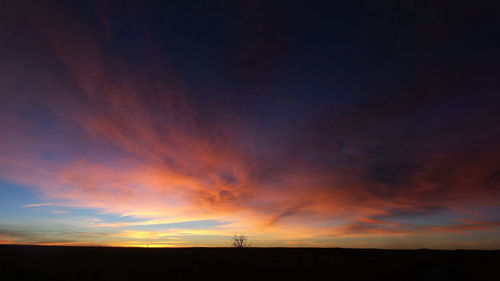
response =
{"points": [[240, 241]]}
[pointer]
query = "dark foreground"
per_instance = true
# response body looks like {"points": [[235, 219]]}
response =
{"points": [[96, 263]]}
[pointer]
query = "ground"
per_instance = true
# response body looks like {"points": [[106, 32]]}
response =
{"points": [[103, 263]]}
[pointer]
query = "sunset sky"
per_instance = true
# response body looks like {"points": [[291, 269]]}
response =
{"points": [[181, 123]]}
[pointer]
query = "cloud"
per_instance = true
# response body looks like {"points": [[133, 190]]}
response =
{"points": [[375, 227], [92, 128], [38, 205], [9, 236]]}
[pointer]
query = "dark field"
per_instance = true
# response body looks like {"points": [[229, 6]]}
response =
{"points": [[102, 263]]}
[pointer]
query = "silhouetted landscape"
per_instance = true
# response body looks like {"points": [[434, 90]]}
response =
{"points": [[106, 263], [179, 137]]}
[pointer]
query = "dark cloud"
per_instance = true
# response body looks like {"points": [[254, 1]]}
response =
{"points": [[15, 234], [263, 32], [368, 226]]}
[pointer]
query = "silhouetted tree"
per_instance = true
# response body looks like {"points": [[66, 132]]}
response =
{"points": [[240, 241]]}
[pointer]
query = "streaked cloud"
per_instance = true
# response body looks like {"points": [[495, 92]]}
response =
{"points": [[92, 129], [38, 205]]}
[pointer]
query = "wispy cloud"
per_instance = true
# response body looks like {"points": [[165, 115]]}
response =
{"points": [[93, 129], [38, 205]]}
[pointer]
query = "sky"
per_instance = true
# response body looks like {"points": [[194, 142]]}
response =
{"points": [[297, 123]]}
